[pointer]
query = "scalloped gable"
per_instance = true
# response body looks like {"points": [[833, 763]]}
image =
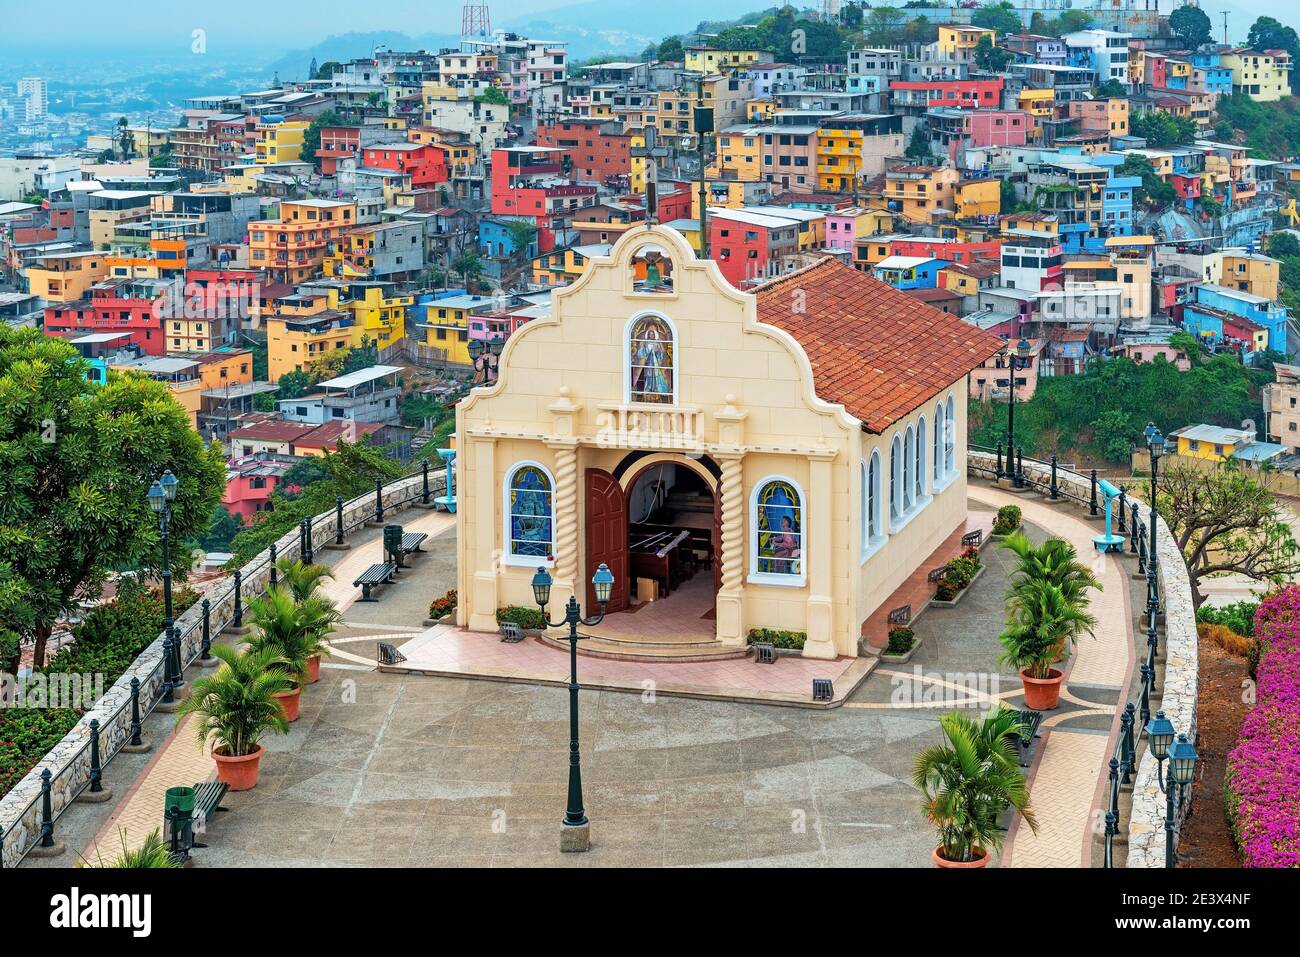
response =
{"points": [[874, 349]]}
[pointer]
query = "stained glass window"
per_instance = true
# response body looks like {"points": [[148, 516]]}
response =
{"points": [[779, 521], [530, 513], [650, 358]]}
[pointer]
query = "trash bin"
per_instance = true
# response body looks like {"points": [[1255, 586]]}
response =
{"points": [[178, 812], [393, 543]]}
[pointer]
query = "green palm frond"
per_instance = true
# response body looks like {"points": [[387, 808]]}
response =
{"points": [[234, 706], [301, 578]]}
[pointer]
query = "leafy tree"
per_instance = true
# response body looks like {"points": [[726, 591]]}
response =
{"points": [[1110, 89], [1225, 520], [1070, 21], [326, 70], [883, 24], [311, 136], [76, 461], [494, 95], [1191, 25], [671, 50], [1160, 128], [1281, 245], [294, 385], [468, 264], [522, 235], [851, 16], [1001, 17], [918, 148], [1269, 34], [125, 139], [222, 529], [1154, 190], [989, 56]]}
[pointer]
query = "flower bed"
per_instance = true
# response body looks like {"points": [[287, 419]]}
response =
{"points": [[1262, 783]]}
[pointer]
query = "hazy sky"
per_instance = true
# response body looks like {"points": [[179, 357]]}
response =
{"points": [[285, 24]]}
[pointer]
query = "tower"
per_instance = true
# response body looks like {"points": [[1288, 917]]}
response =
{"points": [[475, 20]]}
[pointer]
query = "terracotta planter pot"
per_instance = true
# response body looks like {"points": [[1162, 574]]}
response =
{"points": [[289, 701], [940, 861], [1042, 694], [239, 773], [313, 668]]}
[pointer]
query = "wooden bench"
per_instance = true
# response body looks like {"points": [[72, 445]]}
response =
{"points": [[380, 574], [1029, 722], [207, 801]]}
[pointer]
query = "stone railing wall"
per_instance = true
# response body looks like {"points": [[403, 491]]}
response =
{"points": [[69, 760], [1178, 684]]}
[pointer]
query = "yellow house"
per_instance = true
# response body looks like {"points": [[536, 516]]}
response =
{"points": [[978, 197], [738, 156], [65, 277], [707, 60], [295, 340], [958, 41], [446, 324], [839, 159], [760, 111], [1039, 104], [922, 192], [1251, 272], [1258, 75], [562, 266], [1210, 442], [280, 141], [824, 499]]}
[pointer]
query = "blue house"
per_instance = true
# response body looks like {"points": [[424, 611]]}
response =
{"points": [[495, 242], [910, 272], [1215, 313]]}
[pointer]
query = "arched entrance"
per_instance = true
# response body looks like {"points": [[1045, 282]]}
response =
{"points": [[656, 519]]}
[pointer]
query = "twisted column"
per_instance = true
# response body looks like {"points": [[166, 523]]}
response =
{"points": [[733, 526], [566, 514]]}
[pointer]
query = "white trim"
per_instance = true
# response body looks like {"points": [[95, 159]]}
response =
{"points": [[626, 359], [921, 465], [950, 437], [871, 504], [895, 496], [773, 578], [507, 557]]}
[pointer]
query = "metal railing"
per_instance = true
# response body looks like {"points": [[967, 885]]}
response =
{"points": [[102, 733]]}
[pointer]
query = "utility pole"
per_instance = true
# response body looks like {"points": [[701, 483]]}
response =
{"points": [[703, 127], [1225, 28]]}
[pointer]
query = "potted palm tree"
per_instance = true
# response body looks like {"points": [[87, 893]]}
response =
{"points": [[236, 706], [1055, 561], [968, 783], [320, 614], [1042, 622], [280, 631]]}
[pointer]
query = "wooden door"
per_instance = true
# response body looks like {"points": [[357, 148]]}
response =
{"points": [[606, 539], [717, 538]]}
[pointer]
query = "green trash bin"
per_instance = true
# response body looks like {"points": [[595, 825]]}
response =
{"points": [[393, 543], [178, 812]]}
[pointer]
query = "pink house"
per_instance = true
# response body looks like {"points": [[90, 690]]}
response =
{"points": [[841, 227], [1146, 351], [250, 480], [998, 127]]}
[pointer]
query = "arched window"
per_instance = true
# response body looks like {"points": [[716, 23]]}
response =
{"points": [[895, 480], [651, 361], [920, 459], [872, 533], [777, 527], [530, 514], [909, 455], [950, 437], [937, 455]]}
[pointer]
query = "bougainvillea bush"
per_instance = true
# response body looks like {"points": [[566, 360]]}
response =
{"points": [[1262, 785]]}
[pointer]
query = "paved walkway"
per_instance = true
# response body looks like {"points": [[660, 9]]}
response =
{"points": [[1064, 780]]}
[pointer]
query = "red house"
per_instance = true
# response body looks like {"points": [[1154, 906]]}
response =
{"points": [[597, 149], [532, 181], [964, 253], [745, 245], [336, 143], [123, 305], [425, 164], [250, 480], [961, 94]]}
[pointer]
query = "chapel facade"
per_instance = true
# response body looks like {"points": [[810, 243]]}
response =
{"points": [[782, 459]]}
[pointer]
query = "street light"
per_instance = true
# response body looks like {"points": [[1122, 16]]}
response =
{"points": [[483, 355], [1160, 734], [1182, 768], [1016, 359], [574, 834], [162, 493]]}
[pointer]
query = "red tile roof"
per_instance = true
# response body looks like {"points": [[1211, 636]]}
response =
{"points": [[875, 350], [327, 436]]}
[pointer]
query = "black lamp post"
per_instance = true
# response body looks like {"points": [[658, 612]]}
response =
{"points": [[1160, 734], [483, 354], [574, 836], [1155, 449], [1017, 359], [1182, 768], [161, 495]]}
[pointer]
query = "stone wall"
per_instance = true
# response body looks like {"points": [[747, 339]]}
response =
{"points": [[69, 760], [1178, 683]]}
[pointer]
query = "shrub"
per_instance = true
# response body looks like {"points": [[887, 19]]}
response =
{"points": [[1225, 638], [777, 638], [1239, 616], [445, 605], [901, 641], [1262, 781], [945, 590], [962, 570], [1007, 520], [522, 616]]}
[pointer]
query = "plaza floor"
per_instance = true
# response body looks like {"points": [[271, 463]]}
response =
{"points": [[427, 770]]}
